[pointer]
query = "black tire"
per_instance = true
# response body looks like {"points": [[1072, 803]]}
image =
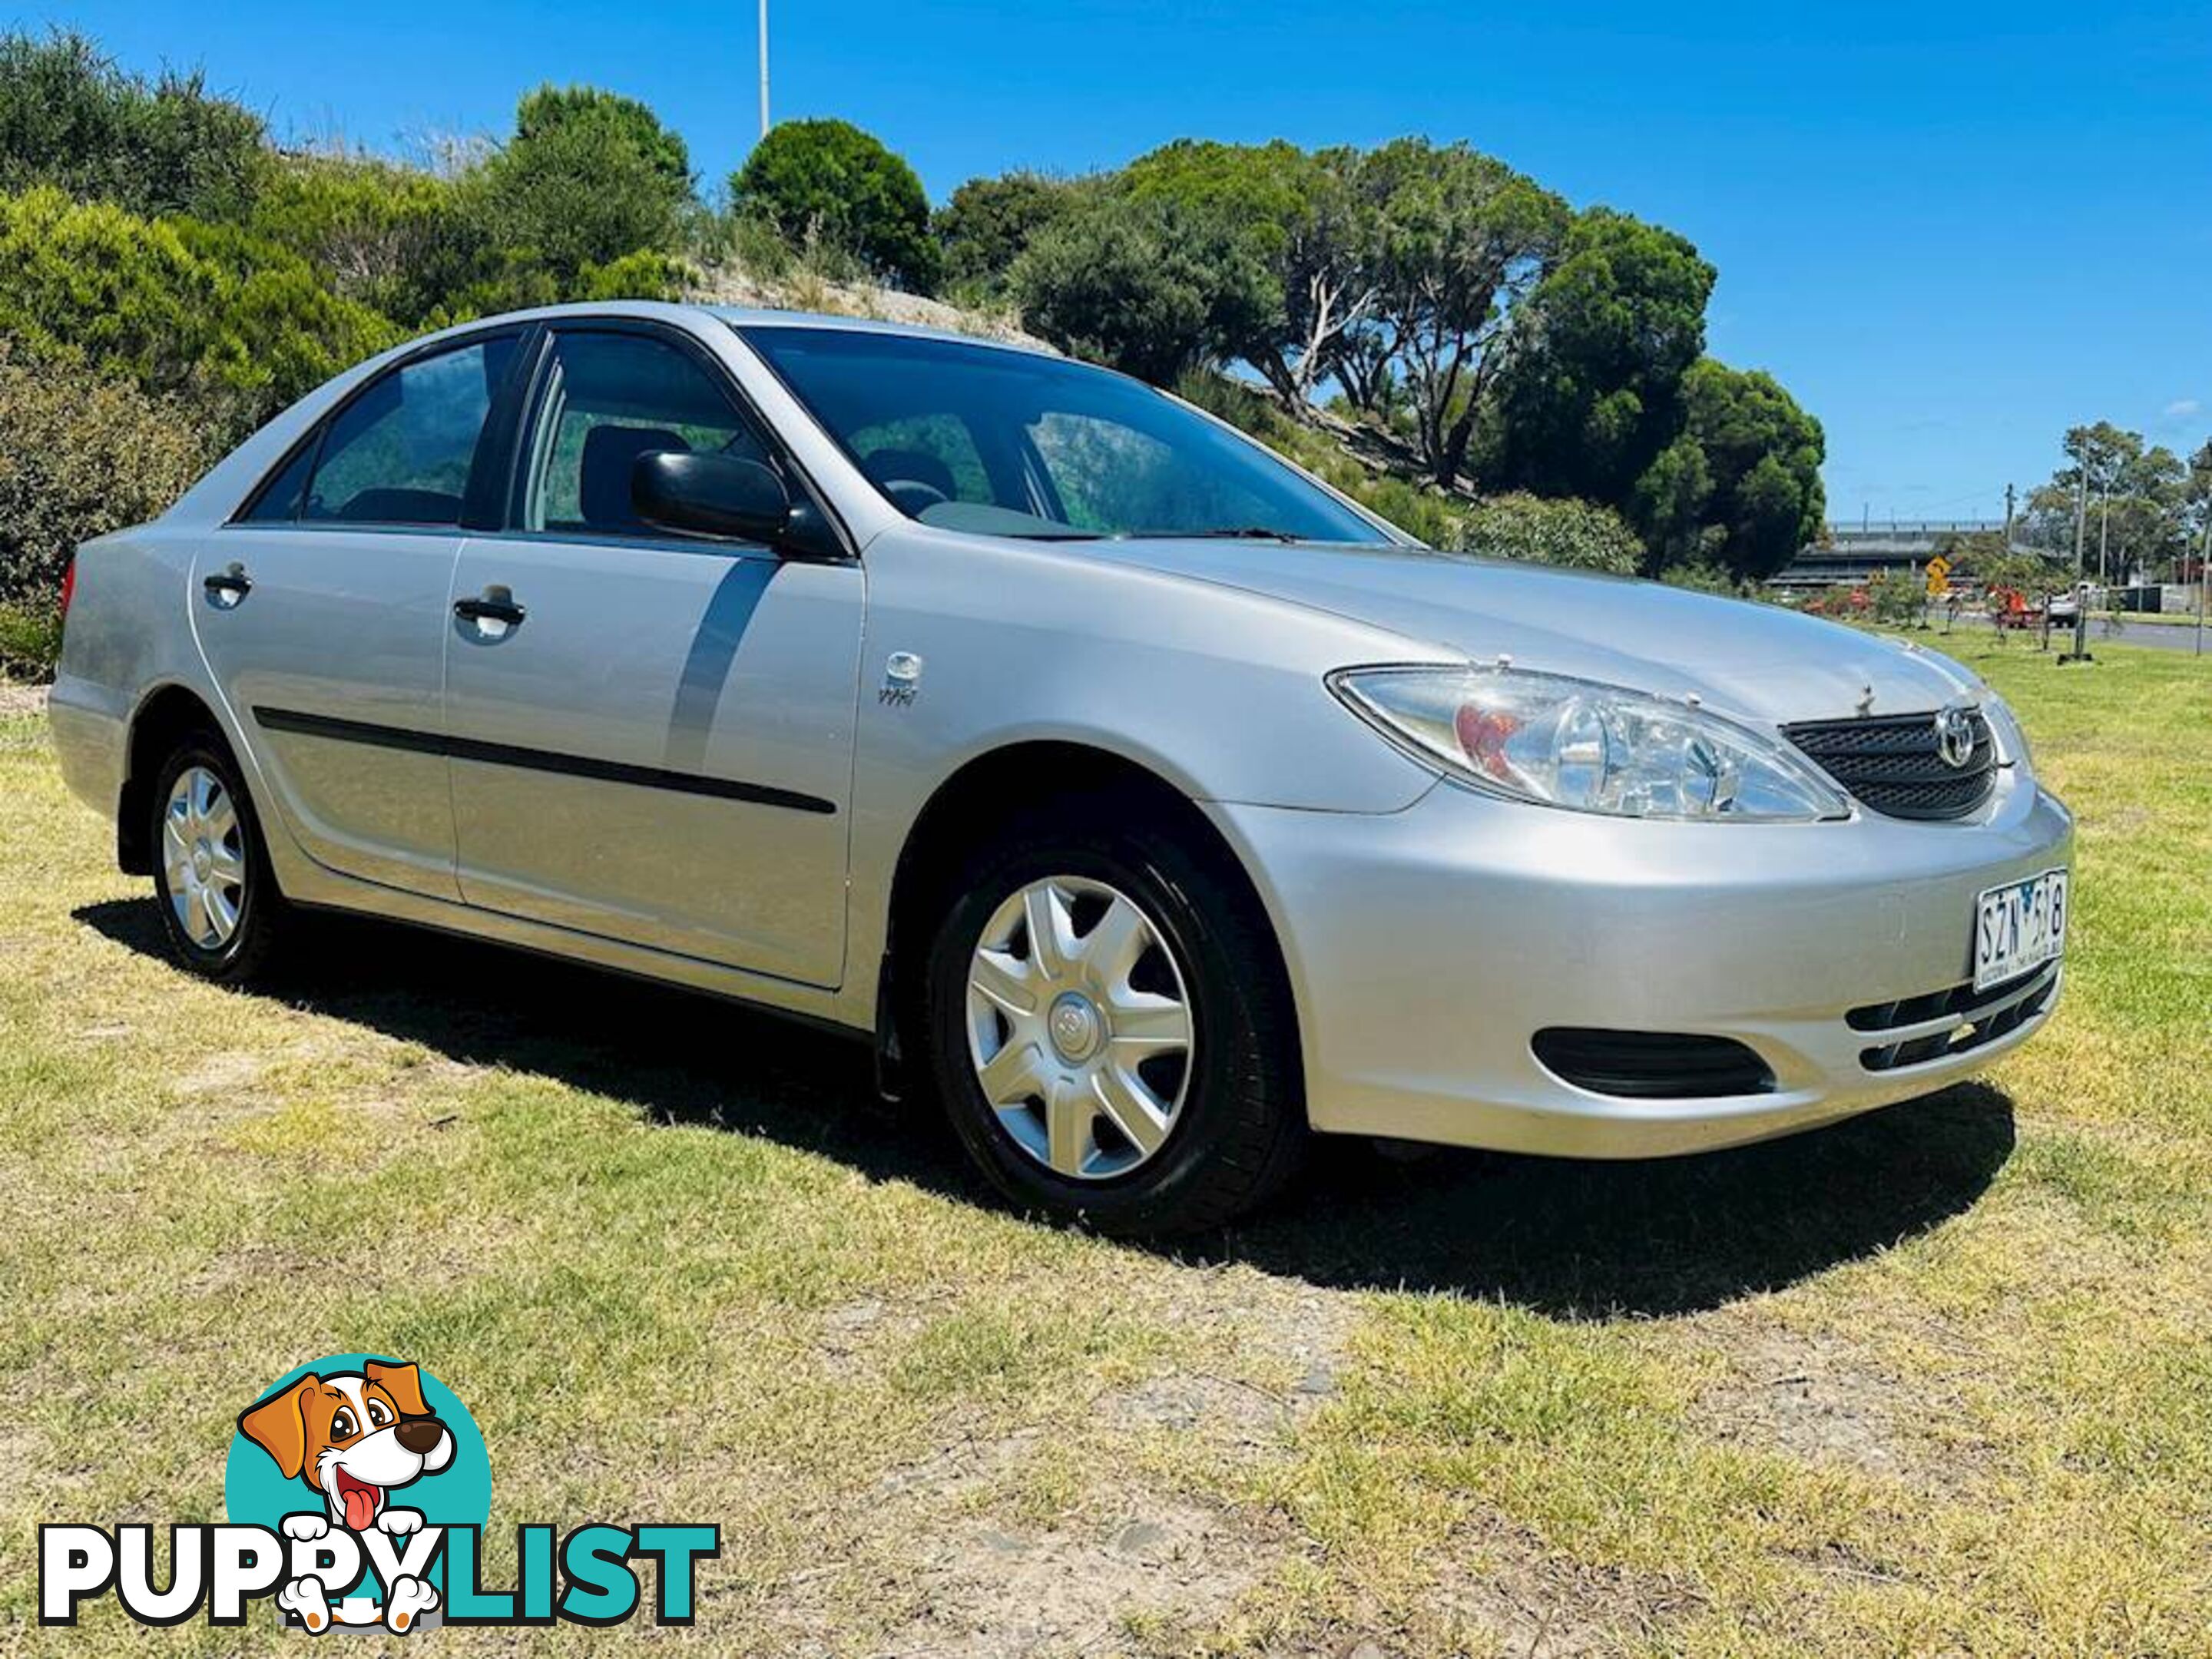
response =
{"points": [[265, 922], [1241, 1129]]}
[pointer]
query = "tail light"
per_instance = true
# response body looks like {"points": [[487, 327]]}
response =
{"points": [[69, 586]]}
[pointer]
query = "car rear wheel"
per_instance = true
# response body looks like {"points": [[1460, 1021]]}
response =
{"points": [[221, 911], [1108, 1031]]}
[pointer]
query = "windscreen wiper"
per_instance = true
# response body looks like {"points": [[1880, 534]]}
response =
{"points": [[1250, 532]]}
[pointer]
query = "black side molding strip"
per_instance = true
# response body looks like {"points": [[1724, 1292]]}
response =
{"points": [[536, 760]]}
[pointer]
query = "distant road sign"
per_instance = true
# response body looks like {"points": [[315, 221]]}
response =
{"points": [[1939, 577]]}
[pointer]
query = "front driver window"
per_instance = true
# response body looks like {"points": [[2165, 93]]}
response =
{"points": [[609, 399], [992, 441], [923, 461]]}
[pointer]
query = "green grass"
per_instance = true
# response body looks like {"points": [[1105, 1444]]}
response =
{"points": [[1938, 1379]]}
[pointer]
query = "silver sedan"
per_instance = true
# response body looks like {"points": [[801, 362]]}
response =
{"points": [[1143, 799]]}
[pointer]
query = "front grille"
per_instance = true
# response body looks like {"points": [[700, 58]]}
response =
{"points": [[1892, 764], [1651, 1065], [1978, 1018]]}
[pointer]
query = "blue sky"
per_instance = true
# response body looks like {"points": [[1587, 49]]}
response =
{"points": [[1951, 229]]}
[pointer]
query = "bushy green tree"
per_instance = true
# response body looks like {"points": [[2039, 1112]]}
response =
{"points": [[828, 182], [70, 117], [1304, 240], [987, 223], [1757, 456], [589, 178], [552, 110], [1145, 284], [1668, 505], [239, 325], [1579, 535], [402, 240], [1595, 391], [2137, 510]]}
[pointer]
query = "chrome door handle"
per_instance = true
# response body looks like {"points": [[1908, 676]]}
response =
{"points": [[228, 586]]}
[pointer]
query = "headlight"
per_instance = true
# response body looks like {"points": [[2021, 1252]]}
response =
{"points": [[2011, 742], [1591, 748]]}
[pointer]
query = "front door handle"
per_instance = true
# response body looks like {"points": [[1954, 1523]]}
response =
{"points": [[497, 604], [228, 586]]}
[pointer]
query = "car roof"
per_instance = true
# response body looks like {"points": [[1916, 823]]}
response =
{"points": [[763, 316], [740, 317]]}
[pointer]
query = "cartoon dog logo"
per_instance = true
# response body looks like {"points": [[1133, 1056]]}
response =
{"points": [[353, 1437]]}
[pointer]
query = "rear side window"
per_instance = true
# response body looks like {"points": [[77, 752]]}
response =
{"points": [[400, 452], [279, 500], [608, 399]]}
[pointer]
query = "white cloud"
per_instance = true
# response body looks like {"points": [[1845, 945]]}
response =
{"points": [[2182, 407]]}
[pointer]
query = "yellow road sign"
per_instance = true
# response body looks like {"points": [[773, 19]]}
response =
{"points": [[1938, 584], [1939, 566]]}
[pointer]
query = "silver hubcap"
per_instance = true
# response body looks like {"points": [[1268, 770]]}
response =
{"points": [[1080, 1027], [204, 859]]}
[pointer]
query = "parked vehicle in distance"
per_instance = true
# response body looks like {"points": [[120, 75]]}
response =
{"points": [[1145, 800]]}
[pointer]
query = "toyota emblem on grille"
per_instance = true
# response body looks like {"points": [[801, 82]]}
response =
{"points": [[1954, 737]]}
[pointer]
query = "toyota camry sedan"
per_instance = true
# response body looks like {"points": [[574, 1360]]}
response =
{"points": [[1145, 802]]}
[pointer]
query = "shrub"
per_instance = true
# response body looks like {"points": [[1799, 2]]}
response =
{"points": [[81, 454], [1896, 599], [401, 240], [1579, 535], [30, 640], [830, 181], [588, 178], [181, 306], [1702, 578], [1151, 287], [550, 110], [644, 275], [988, 223], [1423, 513], [71, 117]]}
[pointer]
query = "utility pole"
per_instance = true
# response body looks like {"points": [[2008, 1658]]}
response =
{"points": [[2080, 509], [2104, 533], [2008, 499], [2203, 576], [763, 61], [2081, 651]]}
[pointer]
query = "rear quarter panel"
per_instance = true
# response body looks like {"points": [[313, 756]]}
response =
{"points": [[128, 634]]}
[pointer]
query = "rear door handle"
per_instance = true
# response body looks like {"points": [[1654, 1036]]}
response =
{"points": [[227, 587], [497, 604]]}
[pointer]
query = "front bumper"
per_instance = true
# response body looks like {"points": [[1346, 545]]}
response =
{"points": [[1428, 947]]}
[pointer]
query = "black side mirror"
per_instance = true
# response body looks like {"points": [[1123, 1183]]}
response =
{"points": [[709, 494]]}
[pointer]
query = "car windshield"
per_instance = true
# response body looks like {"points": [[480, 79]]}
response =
{"points": [[1016, 443]]}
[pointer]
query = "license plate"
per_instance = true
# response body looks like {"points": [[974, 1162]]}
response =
{"points": [[2018, 927]]}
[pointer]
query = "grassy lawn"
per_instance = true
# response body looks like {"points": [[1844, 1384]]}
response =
{"points": [[1937, 1380]]}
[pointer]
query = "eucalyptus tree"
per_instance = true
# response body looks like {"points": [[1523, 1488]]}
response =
{"points": [[1461, 240]]}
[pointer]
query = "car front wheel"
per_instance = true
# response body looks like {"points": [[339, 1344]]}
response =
{"points": [[1109, 1031]]}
